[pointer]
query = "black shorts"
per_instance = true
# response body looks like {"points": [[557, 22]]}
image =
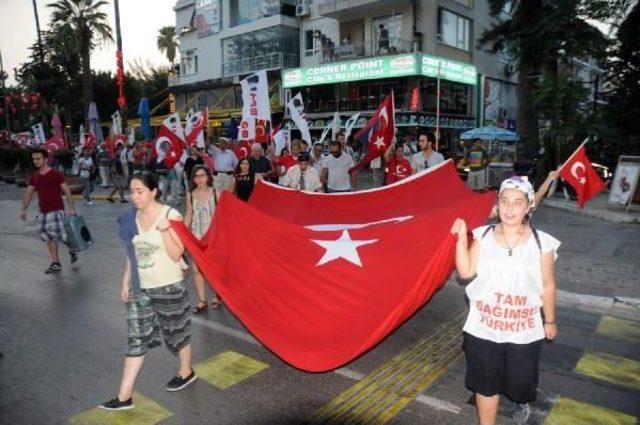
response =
{"points": [[502, 368]]}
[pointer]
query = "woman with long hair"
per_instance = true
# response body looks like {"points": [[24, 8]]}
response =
{"points": [[245, 179], [512, 296], [153, 289], [200, 205]]}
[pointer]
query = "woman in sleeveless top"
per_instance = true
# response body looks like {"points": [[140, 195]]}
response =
{"points": [[201, 202], [511, 294], [245, 180], [153, 289]]}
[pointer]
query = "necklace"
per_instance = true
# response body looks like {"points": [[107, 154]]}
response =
{"points": [[506, 241]]}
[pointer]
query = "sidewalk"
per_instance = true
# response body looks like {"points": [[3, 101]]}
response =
{"points": [[598, 207]]}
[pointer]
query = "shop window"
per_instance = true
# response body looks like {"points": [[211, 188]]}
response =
{"points": [[454, 30]]}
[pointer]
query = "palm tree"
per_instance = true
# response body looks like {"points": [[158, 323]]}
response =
{"points": [[168, 42], [82, 22]]}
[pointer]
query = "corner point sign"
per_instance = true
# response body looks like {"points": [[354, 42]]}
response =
{"points": [[379, 67]]}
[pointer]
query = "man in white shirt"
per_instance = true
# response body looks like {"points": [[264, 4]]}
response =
{"points": [[317, 157], [427, 157], [226, 162], [302, 176], [86, 167], [335, 170]]}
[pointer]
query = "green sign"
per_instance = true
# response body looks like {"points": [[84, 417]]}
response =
{"points": [[362, 69], [379, 67], [449, 70]]}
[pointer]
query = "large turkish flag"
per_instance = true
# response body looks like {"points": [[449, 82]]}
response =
{"points": [[578, 172], [321, 278]]}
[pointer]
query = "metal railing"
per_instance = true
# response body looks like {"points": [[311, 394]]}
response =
{"points": [[275, 60], [347, 51]]}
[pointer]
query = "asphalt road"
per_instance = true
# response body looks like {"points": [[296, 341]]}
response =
{"points": [[63, 337]]}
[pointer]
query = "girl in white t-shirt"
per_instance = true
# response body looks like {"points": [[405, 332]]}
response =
{"points": [[511, 269], [153, 290]]}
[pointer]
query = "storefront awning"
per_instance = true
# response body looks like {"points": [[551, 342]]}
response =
{"points": [[377, 67]]}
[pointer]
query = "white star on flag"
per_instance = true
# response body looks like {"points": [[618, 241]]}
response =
{"points": [[343, 247], [379, 142]]}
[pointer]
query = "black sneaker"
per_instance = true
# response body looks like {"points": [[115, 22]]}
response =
{"points": [[178, 382], [116, 404], [124, 201], [53, 268], [74, 256]]}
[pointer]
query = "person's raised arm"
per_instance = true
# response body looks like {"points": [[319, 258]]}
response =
{"points": [[465, 258], [544, 187], [172, 242]]}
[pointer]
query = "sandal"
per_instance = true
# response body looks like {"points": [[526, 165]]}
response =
{"points": [[215, 303], [200, 308]]}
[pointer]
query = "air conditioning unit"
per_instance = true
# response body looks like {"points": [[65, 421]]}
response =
{"points": [[302, 9]]}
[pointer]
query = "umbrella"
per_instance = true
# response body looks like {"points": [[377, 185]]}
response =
{"points": [[490, 132], [94, 122], [145, 119]]}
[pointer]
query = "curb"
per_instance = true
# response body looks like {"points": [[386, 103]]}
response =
{"points": [[626, 307], [612, 216]]}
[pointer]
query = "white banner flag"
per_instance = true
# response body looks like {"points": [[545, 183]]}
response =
{"points": [[255, 104], [132, 136], [351, 122], [38, 134], [116, 123], [296, 109], [325, 131]]}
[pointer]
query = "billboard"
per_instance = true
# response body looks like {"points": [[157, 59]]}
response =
{"points": [[208, 17]]}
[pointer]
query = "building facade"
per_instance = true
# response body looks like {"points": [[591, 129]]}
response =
{"points": [[345, 56]]}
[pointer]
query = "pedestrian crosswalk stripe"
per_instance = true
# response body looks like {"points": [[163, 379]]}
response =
{"points": [[378, 397], [623, 329], [228, 368], [145, 412], [614, 369], [568, 411]]}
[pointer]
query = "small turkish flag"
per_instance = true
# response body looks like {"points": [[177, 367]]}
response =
{"points": [[168, 147], [378, 134], [243, 150], [578, 172]]}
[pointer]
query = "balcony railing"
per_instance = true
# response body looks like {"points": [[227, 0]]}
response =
{"points": [[275, 60], [347, 51]]}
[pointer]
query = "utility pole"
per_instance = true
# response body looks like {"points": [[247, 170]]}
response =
{"points": [[122, 101], [35, 12]]}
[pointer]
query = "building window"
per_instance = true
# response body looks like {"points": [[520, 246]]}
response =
{"points": [[270, 48], [189, 63], [245, 11], [387, 35], [454, 30]]}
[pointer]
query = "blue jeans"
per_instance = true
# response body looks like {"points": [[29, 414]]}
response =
{"points": [[88, 188]]}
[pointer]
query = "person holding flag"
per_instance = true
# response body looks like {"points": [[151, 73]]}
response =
{"points": [[398, 167], [336, 174], [512, 296]]}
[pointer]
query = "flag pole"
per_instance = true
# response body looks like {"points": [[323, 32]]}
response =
{"points": [[438, 107], [574, 153]]}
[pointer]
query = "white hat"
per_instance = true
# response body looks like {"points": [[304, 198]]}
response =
{"points": [[520, 183]]}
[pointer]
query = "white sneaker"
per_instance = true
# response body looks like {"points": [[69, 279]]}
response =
{"points": [[89, 202]]}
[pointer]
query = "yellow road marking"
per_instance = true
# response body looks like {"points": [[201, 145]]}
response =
{"points": [[567, 411], [227, 369], [381, 395], [619, 328], [145, 412], [606, 367]]}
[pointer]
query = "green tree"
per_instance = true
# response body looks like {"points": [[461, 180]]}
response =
{"points": [[167, 42], [543, 36], [83, 27]]}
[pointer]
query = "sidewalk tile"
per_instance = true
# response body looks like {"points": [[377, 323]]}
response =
{"points": [[623, 329], [567, 411], [228, 368], [614, 369], [145, 412]]}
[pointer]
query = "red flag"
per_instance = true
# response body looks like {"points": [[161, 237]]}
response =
{"points": [[243, 149], [378, 134], [170, 141], [323, 307], [578, 172], [115, 141], [195, 128], [54, 144]]}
